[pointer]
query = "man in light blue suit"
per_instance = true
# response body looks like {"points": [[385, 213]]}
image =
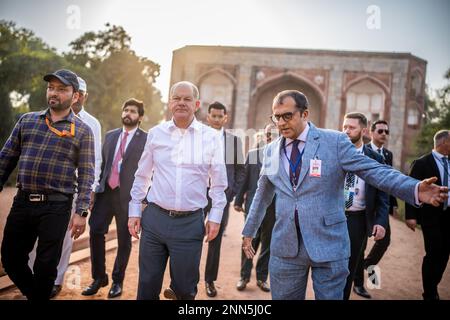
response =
{"points": [[305, 168]]}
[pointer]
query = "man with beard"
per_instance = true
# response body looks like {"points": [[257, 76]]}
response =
{"points": [[49, 146], [121, 152], [366, 207], [94, 124]]}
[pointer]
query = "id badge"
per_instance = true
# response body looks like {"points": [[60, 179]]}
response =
{"points": [[348, 193], [315, 168]]}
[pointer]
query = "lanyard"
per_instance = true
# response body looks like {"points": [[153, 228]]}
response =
{"points": [[291, 165], [64, 133]]}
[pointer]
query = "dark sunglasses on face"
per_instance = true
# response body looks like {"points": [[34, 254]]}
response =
{"points": [[380, 131], [286, 116]]}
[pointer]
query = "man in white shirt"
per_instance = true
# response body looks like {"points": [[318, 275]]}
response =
{"points": [[180, 157], [94, 124]]}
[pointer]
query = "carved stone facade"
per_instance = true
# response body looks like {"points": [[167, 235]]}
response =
{"points": [[387, 86]]}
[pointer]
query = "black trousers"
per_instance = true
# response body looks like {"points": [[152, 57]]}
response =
{"points": [[213, 256], [108, 205], [263, 237], [374, 256], [357, 231], [28, 221], [437, 249]]}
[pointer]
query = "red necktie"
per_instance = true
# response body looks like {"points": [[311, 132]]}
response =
{"points": [[114, 176]]}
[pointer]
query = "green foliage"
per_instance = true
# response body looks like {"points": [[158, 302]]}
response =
{"points": [[104, 59], [437, 117]]}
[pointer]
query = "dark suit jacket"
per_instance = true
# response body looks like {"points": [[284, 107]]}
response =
{"points": [[377, 201], [129, 162], [422, 168], [253, 165], [388, 160], [234, 162]]}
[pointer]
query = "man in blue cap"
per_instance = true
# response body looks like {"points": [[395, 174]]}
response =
{"points": [[49, 147], [94, 124]]}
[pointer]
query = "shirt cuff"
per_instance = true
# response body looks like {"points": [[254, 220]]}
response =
{"points": [[134, 210], [416, 195], [215, 215]]}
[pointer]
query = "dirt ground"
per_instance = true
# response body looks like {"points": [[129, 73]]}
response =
{"points": [[400, 269]]}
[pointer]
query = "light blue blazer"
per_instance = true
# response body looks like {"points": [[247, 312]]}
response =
{"points": [[319, 200]]}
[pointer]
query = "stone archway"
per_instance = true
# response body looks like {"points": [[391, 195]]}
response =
{"points": [[262, 98]]}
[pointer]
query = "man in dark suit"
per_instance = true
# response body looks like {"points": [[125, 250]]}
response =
{"points": [[234, 162], [434, 221], [253, 165], [366, 207], [379, 131], [121, 152]]}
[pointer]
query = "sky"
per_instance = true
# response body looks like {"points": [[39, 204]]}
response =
{"points": [[157, 27]]}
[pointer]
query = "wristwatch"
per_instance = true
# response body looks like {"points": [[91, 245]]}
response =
{"points": [[83, 213]]}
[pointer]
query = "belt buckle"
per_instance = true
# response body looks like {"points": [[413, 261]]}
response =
{"points": [[35, 197], [172, 213]]}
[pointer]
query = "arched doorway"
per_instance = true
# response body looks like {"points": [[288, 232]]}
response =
{"points": [[262, 98]]}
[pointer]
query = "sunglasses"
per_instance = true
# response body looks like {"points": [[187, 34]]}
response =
{"points": [[380, 131], [286, 116]]}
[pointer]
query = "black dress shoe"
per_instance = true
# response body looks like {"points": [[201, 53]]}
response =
{"points": [[361, 291], [55, 290], [95, 286], [242, 284], [210, 289], [115, 291], [263, 285], [170, 294]]}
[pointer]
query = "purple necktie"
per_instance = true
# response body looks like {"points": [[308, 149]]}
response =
{"points": [[294, 159]]}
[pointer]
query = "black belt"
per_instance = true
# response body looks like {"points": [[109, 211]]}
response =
{"points": [[176, 214], [43, 197], [355, 212]]}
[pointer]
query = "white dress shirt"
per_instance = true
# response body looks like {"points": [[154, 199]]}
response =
{"points": [[375, 148], [96, 128], [438, 159], [302, 137], [359, 198], [181, 162], [130, 136]]}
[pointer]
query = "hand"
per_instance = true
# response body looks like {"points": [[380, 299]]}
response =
{"points": [[378, 232], [134, 226], [92, 201], [77, 226], [411, 223], [211, 230], [238, 208], [431, 193], [248, 248]]}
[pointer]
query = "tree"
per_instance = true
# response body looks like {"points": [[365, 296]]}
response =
{"points": [[115, 73], [24, 58], [437, 117]]}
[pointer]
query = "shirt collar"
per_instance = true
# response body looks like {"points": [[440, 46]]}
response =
{"points": [[437, 154], [195, 125], [374, 146], [302, 137], [82, 113], [131, 132], [360, 149], [69, 118]]}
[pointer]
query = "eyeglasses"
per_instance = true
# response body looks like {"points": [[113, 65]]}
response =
{"points": [[380, 131], [286, 116]]}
